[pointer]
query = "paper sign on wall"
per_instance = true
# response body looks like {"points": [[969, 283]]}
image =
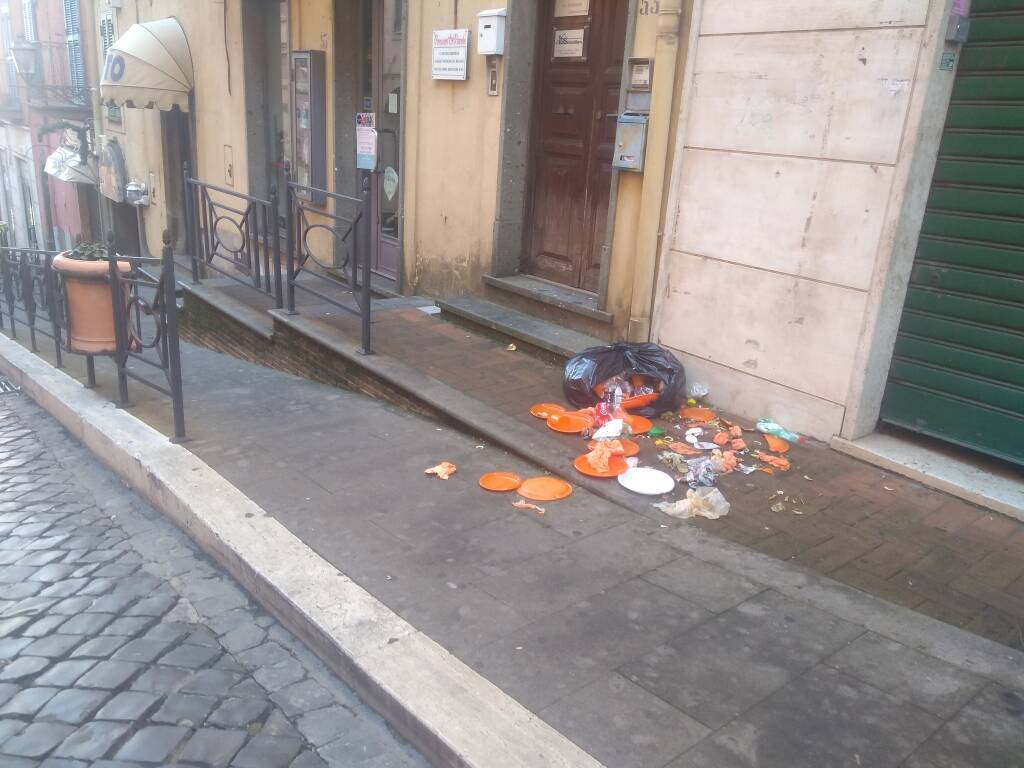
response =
{"points": [[572, 7], [450, 53], [569, 43], [961, 7]]}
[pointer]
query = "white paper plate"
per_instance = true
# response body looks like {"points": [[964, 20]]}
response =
{"points": [[647, 480]]}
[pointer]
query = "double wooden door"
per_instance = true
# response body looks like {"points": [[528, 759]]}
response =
{"points": [[576, 98]]}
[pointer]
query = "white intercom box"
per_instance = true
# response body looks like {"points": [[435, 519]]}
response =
{"points": [[490, 38]]}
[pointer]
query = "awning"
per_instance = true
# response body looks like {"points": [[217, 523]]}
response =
{"points": [[149, 65], [65, 163], [113, 173]]}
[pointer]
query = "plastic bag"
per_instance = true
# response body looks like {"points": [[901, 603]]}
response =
{"points": [[702, 502], [596, 365]]}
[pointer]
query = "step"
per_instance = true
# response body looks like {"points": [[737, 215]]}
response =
{"points": [[561, 296], [518, 325]]}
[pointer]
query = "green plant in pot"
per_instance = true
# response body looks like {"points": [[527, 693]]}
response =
{"points": [[85, 274]]}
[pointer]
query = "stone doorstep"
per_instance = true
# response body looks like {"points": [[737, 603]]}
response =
{"points": [[447, 711], [398, 670]]}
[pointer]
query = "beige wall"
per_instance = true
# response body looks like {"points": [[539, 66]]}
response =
{"points": [[453, 135], [219, 101], [800, 123]]}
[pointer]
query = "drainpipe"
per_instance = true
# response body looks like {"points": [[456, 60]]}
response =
{"points": [[666, 53]]}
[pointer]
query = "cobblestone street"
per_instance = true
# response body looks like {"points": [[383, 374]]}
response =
{"points": [[121, 645]]}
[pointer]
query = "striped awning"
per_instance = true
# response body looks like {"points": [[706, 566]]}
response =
{"points": [[150, 65]]}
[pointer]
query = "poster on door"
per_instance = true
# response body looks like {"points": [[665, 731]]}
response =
{"points": [[449, 54], [366, 141]]}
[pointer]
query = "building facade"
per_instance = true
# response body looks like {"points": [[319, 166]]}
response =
{"points": [[844, 235], [748, 182]]}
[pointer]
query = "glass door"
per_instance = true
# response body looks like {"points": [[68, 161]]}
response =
{"points": [[384, 38]]}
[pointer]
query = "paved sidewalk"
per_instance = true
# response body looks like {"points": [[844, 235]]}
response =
{"points": [[858, 524], [646, 642], [119, 641]]}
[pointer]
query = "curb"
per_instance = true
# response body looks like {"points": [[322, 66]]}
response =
{"points": [[451, 714]]}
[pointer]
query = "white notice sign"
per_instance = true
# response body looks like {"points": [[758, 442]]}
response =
{"points": [[450, 54], [569, 43], [572, 7]]}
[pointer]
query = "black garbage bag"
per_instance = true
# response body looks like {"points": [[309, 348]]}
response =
{"points": [[598, 364]]}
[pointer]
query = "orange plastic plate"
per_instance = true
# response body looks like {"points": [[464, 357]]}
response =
{"points": [[543, 410], [616, 466], [569, 422], [638, 424], [545, 488], [500, 481], [698, 414]]}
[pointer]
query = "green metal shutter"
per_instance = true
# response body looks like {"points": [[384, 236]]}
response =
{"points": [[958, 368]]}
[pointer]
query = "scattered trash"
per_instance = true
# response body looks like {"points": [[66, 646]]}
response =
{"points": [[721, 438], [808, 478], [776, 462], [776, 444], [771, 428], [520, 504], [691, 402], [700, 472], [511, 348], [697, 390], [738, 444], [683, 449], [444, 470], [886, 487], [746, 469], [778, 507], [589, 373], [702, 502], [610, 431], [431, 309], [724, 462], [656, 432]]}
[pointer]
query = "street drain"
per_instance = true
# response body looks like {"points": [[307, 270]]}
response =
{"points": [[7, 387]]}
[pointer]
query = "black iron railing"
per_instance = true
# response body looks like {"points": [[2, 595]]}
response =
{"points": [[345, 229], [234, 235], [60, 96], [33, 301], [30, 295], [238, 236]]}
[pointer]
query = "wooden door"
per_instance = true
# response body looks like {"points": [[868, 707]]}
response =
{"points": [[576, 99]]}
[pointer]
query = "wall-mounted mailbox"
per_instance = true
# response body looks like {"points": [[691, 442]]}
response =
{"points": [[630, 141], [490, 38]]}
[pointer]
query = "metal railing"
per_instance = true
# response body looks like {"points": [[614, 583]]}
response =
{"points": [[31, 297], [346, 228], [33, 300], [234, 235], [59, 96], [238, 236]]}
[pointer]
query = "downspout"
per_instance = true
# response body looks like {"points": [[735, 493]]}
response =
{"points": [[645, 262], [87, 10], [613, 195]]}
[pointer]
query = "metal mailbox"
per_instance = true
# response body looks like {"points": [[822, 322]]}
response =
{"points": [[630, 141]]}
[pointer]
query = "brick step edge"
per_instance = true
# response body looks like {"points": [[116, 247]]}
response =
{"points": [[451, 714]]}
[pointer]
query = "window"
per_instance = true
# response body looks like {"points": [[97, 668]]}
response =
{"points": [[72, 32], [28, 18], [107, 37]]}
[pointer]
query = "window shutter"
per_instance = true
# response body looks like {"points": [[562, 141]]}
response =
{"points": [[72, 31], [107, 37], [28, 18]]}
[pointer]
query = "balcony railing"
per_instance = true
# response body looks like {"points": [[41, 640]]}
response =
{"points": [[59, 96]]}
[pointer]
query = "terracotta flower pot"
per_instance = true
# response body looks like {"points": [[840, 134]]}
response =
{"points": [[90, 309]]}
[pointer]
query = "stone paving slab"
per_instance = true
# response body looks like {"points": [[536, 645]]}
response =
{"points": [[764, 629], [79, 697]]}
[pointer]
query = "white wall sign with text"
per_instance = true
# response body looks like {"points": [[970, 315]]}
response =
{"points": [[572, 7], [569, 43], [450, 54]]}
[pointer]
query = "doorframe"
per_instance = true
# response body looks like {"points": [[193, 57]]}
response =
{"points": [[514, 167], [345, 93]]}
